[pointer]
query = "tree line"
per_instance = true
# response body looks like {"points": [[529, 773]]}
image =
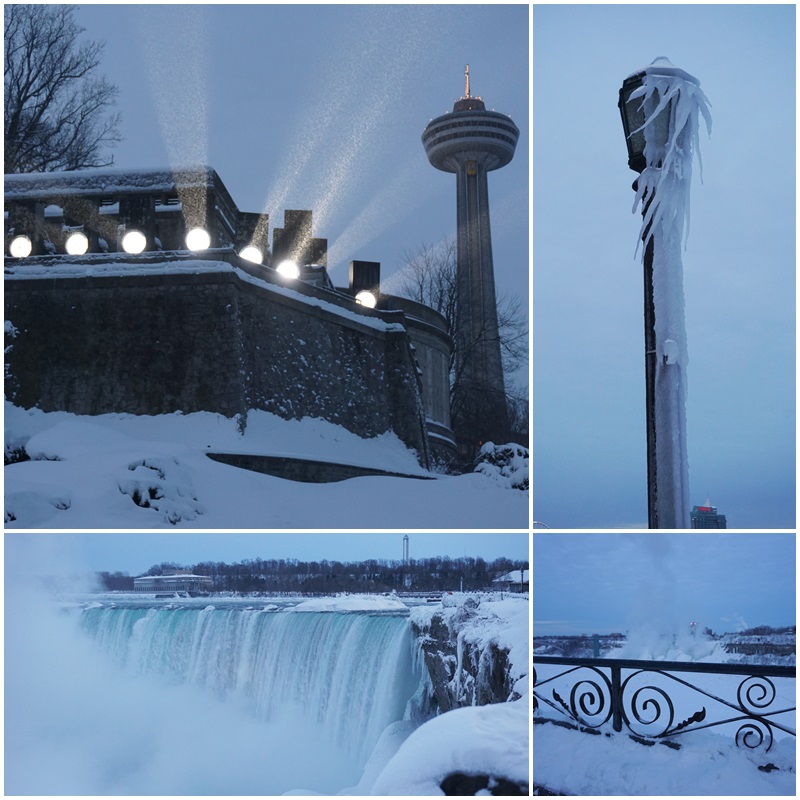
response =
{"points": [[439, 573]]}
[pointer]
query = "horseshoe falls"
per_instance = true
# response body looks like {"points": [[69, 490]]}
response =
{"points": [[221, 699]]}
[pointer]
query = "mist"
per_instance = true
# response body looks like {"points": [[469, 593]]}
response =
{"points": [[75, 724]]}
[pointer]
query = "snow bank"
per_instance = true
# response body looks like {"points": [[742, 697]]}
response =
{"points": [[506, 464], [124, 471], [579, 763], [264, 434], [351, 602], [490, 740]]}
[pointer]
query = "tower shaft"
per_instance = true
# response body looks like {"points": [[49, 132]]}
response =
{"points": [[479, 359], [470, 142]]}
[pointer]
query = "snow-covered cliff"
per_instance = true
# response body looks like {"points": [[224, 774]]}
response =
{"points": [[476, 650]]}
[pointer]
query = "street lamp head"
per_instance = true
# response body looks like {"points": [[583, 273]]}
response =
{"points": [[632, 113], [640, 109]]}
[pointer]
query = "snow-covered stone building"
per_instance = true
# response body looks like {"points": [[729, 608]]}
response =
{"points": [[149, 292]]}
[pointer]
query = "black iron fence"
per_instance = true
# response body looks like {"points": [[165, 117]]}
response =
{"points": [[660, 700]]}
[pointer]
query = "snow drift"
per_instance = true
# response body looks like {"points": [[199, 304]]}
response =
{"points": [[125, 471]]}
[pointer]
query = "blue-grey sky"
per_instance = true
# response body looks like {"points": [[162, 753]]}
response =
{"points": [[134, 553], [739, 264], [323, 107], [615, 582]]}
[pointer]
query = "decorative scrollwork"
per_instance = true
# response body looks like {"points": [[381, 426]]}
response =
{"points": [[644, 703], [589, 701], [647, 709], [753, 734], [698, 716], [755, 694]]}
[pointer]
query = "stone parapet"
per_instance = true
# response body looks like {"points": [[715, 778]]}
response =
{"points": [[159, 340]]}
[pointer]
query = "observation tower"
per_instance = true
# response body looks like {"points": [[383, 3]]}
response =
{"points": [[471, 141]]}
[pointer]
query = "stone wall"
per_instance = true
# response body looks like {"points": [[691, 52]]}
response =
{"points": [[166, 340], [302, 469]]}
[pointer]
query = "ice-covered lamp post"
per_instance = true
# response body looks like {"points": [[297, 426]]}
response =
{"points": [[660, 108]]}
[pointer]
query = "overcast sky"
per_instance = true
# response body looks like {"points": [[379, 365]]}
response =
{"points": [[134, 553], [739, 264], [323, 107], [616, 582]]}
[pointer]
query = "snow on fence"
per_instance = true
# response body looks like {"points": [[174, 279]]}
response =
{"points": [[660, 700]]}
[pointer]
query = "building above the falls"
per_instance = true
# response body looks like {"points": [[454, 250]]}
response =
{"points": [[172, 583]]}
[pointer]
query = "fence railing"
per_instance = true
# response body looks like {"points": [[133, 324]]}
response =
{"points": [[659, 700]]}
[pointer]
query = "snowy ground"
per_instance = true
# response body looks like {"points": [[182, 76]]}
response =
{"points": [[490, 739], [777, 649], [86, 471], [351, 602], [572, 762]]}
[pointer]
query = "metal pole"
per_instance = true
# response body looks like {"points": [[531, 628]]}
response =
{"points": [[616, 699], [650, 356]]}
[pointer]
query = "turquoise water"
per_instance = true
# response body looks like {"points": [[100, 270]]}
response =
{"points": [[346, 676]]}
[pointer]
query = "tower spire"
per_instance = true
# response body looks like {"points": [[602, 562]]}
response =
{"points": [[466, 79]]}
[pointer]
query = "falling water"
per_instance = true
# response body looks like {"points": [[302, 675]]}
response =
{"points": [[349, 675]]}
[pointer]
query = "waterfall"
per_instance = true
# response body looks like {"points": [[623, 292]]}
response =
{"points": [[349, 674]]}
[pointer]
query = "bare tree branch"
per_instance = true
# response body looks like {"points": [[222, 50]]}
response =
{"points": [[428, 276], [57, 109]]}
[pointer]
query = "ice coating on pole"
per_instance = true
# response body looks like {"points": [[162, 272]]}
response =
{"points": [[670, 142], [673, 104]]}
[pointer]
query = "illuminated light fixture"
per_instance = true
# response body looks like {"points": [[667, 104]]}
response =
{"points": [[198, 239], [20, 247], [77, 243], [366, 298], [252, 253], [289, 269], [134, 242]]}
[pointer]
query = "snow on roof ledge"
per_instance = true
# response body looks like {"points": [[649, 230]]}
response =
{"points": [[121, 265], [106, 180]]}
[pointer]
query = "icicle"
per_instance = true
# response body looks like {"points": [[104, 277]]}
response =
{"points": [[668, 173]]}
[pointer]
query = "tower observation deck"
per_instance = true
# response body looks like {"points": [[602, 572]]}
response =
{"points": [[471, 142]]}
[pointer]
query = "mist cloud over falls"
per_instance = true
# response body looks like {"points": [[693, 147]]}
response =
{"points": [[80, 723], [77, 725]]}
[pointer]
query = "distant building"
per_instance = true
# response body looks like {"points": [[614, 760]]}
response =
{"points": [[172, 583], [706, 517], [514, 581]]}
